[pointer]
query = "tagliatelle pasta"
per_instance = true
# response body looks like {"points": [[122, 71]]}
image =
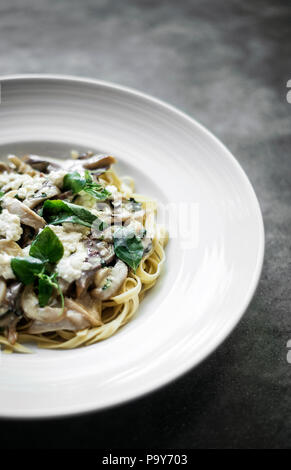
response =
{"points": [[88, 252]]}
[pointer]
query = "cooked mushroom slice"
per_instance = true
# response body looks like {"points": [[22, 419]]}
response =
{"points": [[84, 282], [109, 281], [27, 236], [9, 322], [32, 310], [67, 195], [39, 164], [98, 161], [81, 156], [27, 216], [10, 248], [100, 253], [48, 191], [3, 167], [13, 296], [3, 290], [6, 319], [9, 300], [88, 307], [73, 321], [21, 166]]}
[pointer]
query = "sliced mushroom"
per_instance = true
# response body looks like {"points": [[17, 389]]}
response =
{"points": [[10, 248], [3, 167], [32, 310], [100, 253], [110, 281], [21, 166], [73, 321], [98, 161], [81, 156], [27, 236], [13, 295], [39, 164], [3, 290], [88, 307], [48, 191], [67, 195], [10, 297], [27, 216], [84, 282]]}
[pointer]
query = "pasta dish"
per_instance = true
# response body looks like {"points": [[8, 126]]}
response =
{"points": [[78, 250]]}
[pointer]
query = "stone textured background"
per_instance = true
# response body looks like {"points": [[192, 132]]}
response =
{"points": [[226, 63]]}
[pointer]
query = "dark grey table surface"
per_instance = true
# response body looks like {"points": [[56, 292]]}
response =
{"points": [[227, 64]]}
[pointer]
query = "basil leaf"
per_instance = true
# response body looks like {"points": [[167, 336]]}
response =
{"points": [[46, 284], [74, 182], [88, 177], [97, 191], [128, 247], [25, 269], [45, 290], [47, 246], [57, 212]]}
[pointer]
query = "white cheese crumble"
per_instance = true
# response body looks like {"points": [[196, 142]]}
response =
{"points": [[10, 226], [57, 177], [5, 266], [31, 186], [10, 181], [70, 268]]}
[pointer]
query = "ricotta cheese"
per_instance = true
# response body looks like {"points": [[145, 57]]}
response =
{"points": [[10, 226], [57, 177], [70, 268], [5, 266], [11, 181], [30, 186]]}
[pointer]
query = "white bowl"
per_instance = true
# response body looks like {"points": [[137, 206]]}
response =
{"points": [[211, 271]]}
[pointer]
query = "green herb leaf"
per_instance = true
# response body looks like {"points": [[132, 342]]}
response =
{"points": [[47, 246], [97, 191], [46, 284], [45, 290], [75, 183], [26, 269], [128, 247], [57, 212]]}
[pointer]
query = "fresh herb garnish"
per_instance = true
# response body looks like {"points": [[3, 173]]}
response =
{"points": [[128, 247], [107, 284], [75, 183], [46, 284], [27, 269], [57, 212], [36, 268], [47, 246]]}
